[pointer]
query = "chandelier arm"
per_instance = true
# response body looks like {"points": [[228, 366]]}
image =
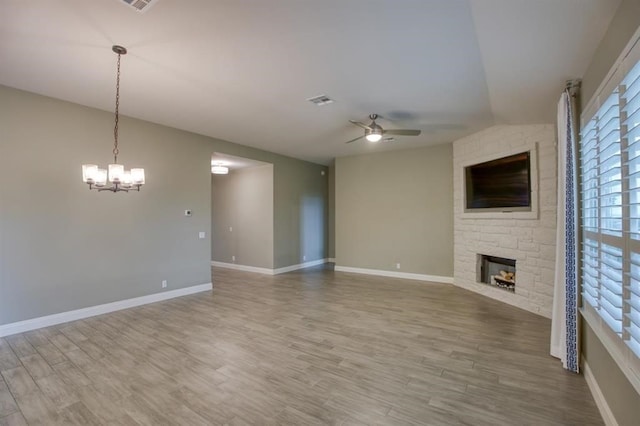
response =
{"points": [[114, 189]]}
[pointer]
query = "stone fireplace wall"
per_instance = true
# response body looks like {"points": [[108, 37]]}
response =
{"points": [[531, 242]]}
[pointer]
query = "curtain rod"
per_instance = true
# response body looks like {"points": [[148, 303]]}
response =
{"points": [[573, 86]]}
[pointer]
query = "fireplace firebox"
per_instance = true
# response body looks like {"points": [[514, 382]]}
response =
{"points": [[497, 271]]}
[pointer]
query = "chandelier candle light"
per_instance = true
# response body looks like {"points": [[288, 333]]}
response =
{"points": [[120, 179]]}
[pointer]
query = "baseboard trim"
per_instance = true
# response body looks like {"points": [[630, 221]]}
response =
{"points": [[268, 271], [331, 260], [598, 397], [299, 266], [393, 274], [244, 268], [78, 314]]}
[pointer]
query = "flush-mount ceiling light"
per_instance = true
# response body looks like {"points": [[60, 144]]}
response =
{"points": [[219, 169], [120, 179]]}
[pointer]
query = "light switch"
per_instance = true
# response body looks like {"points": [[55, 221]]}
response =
{"points": [[201, 235]]}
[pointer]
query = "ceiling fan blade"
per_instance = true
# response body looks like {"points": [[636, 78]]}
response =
{"points": [[402, 132], [357, 123], [353, 140]]}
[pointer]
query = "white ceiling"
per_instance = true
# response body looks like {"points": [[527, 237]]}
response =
{"points": [[241, 70]]}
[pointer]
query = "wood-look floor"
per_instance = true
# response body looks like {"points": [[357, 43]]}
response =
{"points": [[304, 348]]}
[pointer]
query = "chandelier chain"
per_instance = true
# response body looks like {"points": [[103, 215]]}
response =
{"points": [[115, 128]]}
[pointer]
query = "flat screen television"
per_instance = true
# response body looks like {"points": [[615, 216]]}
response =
{"points": [[503, 184]]}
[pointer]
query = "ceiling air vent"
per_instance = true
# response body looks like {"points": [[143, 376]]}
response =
{"points": [[321, 100], [140, 5]]}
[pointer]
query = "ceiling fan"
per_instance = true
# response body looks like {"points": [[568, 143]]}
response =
{"points": [[374, 132]]}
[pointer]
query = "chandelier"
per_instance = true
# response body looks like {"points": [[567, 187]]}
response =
{"points": [[118, 178]]}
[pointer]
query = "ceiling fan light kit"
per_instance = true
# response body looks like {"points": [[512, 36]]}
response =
{"points": [[374, 137], [374, 132]]}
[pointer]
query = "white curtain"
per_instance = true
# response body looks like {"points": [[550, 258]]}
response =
{"points": [[564, 321]]}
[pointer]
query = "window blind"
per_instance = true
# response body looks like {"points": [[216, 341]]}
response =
{"points": [[610, 202], [630, 120]]}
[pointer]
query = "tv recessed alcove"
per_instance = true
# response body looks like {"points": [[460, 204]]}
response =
{"points": [[503, 185], [497, 271]]}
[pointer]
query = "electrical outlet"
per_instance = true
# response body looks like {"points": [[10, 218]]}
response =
{"points": [[304, 258], [233, 258], [201, 235], [164, 283], [231, 229], [397, 266]]}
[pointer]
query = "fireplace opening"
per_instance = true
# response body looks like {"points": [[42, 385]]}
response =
{"points": [[497, 271]]}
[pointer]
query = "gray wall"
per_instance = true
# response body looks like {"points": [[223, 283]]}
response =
{"points": [[396, 207], [621, 397], [300, 217], [332, 211], [64, 247], [243, 201], [617, 390]]}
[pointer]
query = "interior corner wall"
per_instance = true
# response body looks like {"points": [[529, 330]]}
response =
{"points": [[331, 251], [530, 242], [396, 207], [300, 217], [242, 217], [64, 247], [300, 204], [618, 392]]}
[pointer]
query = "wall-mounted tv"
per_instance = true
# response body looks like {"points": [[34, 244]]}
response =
{"points": [[503, 184]]}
